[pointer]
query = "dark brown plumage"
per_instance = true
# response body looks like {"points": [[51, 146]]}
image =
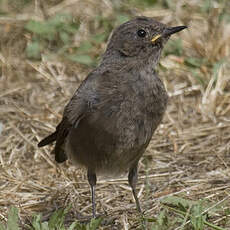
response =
{"points": [[112, 116]]}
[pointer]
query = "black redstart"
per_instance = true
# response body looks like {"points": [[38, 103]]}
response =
{"points": [[110, 120]]}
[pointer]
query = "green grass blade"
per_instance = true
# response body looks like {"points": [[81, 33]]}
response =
{"points": [[12, 223], [94, 224], [2, 227]]}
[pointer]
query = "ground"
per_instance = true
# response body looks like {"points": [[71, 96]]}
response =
{"points": [[48, 47]]}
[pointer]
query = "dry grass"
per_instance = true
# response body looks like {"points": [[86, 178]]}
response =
{"points": [[189, 154]]}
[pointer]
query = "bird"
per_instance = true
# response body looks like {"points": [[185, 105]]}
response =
{"points": [[111, 118]]}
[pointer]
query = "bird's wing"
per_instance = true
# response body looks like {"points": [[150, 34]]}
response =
{"points": [[94, 92]]}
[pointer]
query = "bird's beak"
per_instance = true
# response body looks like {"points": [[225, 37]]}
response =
{"points": [[168, 31], [172, 30]]}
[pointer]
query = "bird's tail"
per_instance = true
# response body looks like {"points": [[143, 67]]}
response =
{"points": [[48, 140]]}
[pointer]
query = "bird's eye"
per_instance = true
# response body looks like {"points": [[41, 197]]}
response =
{"points": [[141, 33]]}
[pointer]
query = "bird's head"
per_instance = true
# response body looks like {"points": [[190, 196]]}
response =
{"points": [[141, 39]]}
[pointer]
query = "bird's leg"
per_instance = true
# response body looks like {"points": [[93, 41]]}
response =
{"points": [[92, 179], [132, 177]]}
